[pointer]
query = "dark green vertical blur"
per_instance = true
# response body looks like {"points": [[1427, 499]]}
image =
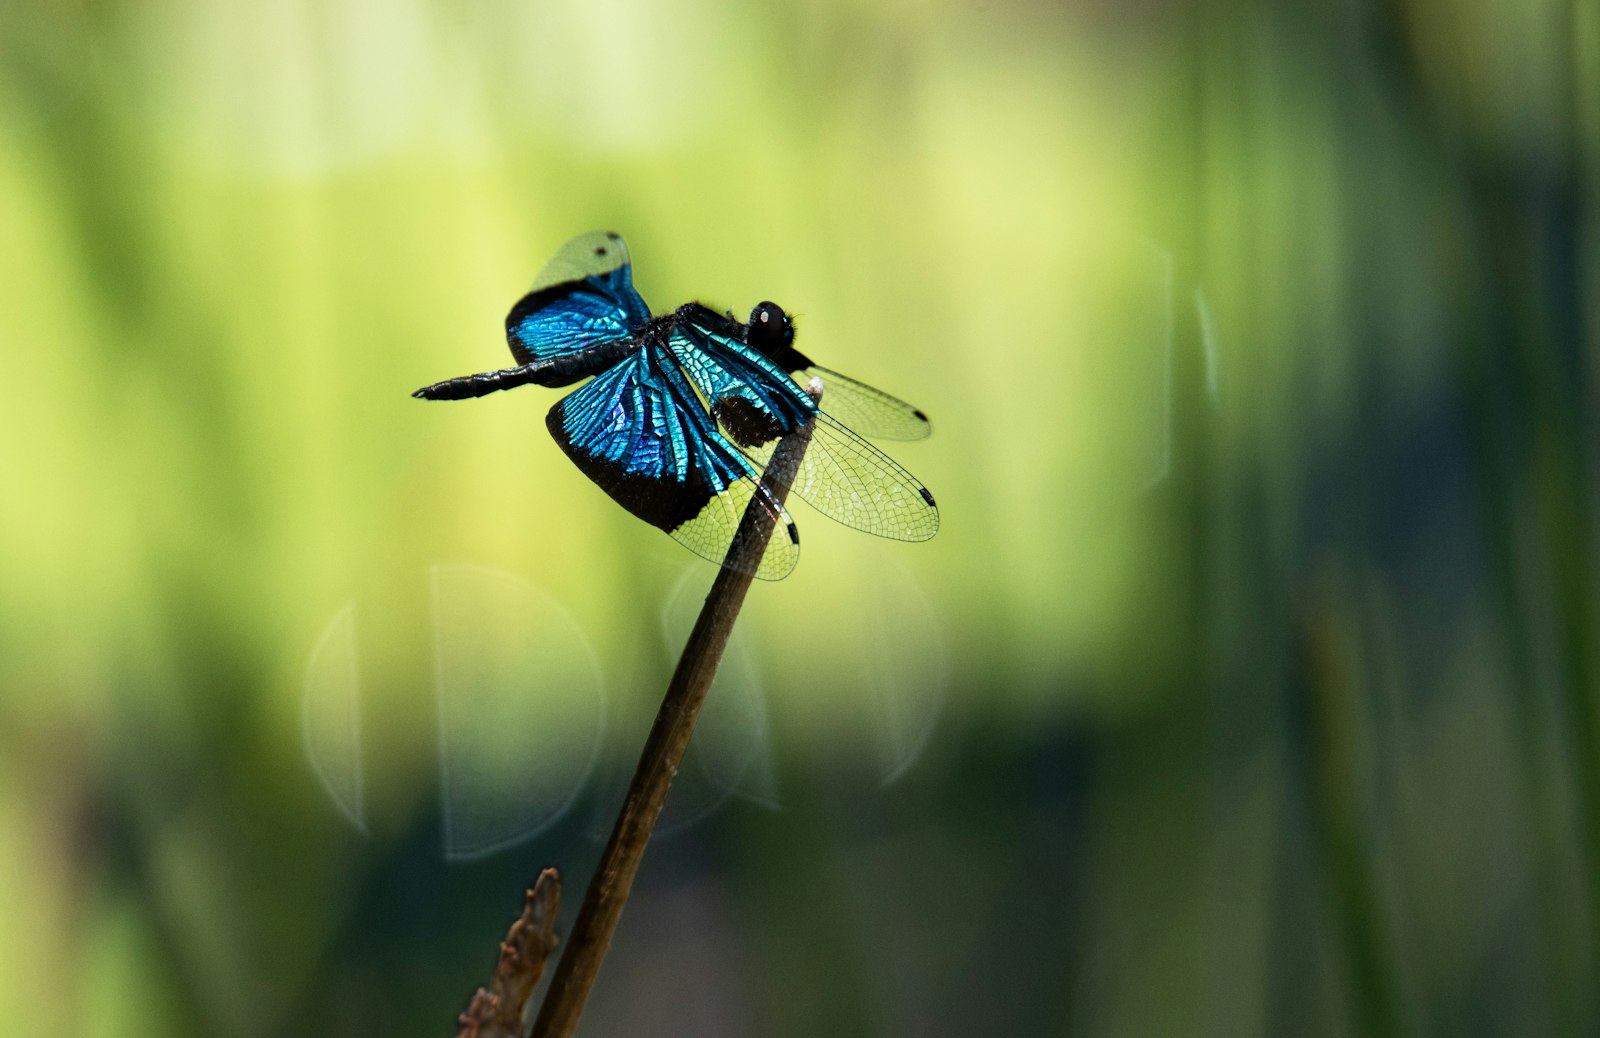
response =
{"points": [[1249, 688]]}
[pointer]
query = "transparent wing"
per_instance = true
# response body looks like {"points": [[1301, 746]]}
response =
{"points": [[593, 255], [583, 298], [850, 481], [868, 411], [712, 532], [842, 475], [640, 433]]}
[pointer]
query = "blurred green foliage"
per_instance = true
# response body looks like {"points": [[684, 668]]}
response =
{"points": [[1250, 687]]}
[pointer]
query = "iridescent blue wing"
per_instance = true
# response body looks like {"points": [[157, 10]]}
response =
{"points": [[639, 432], [842, 475], [582, 300], [755, 401], [581, 316]]}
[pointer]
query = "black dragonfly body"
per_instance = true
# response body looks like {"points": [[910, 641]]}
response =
{"points": [[683, 410]]}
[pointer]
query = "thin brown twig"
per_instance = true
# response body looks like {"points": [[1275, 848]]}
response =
{"points": [[500, 1010], [663, 752]]}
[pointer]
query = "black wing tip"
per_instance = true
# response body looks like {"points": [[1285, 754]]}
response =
{"points": [[917, 411], [927, 495], [794, 533]]}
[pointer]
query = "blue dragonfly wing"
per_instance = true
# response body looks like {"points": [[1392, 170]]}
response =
{"points": [[583, 299], [638, 431], [754, 400], [842, 475]]}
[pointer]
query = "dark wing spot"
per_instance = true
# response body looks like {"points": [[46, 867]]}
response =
{"points": [[613, 235], [794, 534], [920, 415], [600, 250], [928, 497]]}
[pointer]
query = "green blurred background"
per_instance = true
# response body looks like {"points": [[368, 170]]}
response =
{"points": [[1250, 687]]}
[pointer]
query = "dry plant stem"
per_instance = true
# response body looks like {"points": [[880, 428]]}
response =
{"points": [[499, 1010], [663, 752]]}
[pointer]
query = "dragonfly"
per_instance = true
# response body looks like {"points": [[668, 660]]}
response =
{"points": [[682, 411]]}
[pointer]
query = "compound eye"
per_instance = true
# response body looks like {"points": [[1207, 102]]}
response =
{"points": [[768, 315], [770, 330]]}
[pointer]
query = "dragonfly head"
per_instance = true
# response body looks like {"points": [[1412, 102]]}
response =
{"points": [[771, 329]]}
